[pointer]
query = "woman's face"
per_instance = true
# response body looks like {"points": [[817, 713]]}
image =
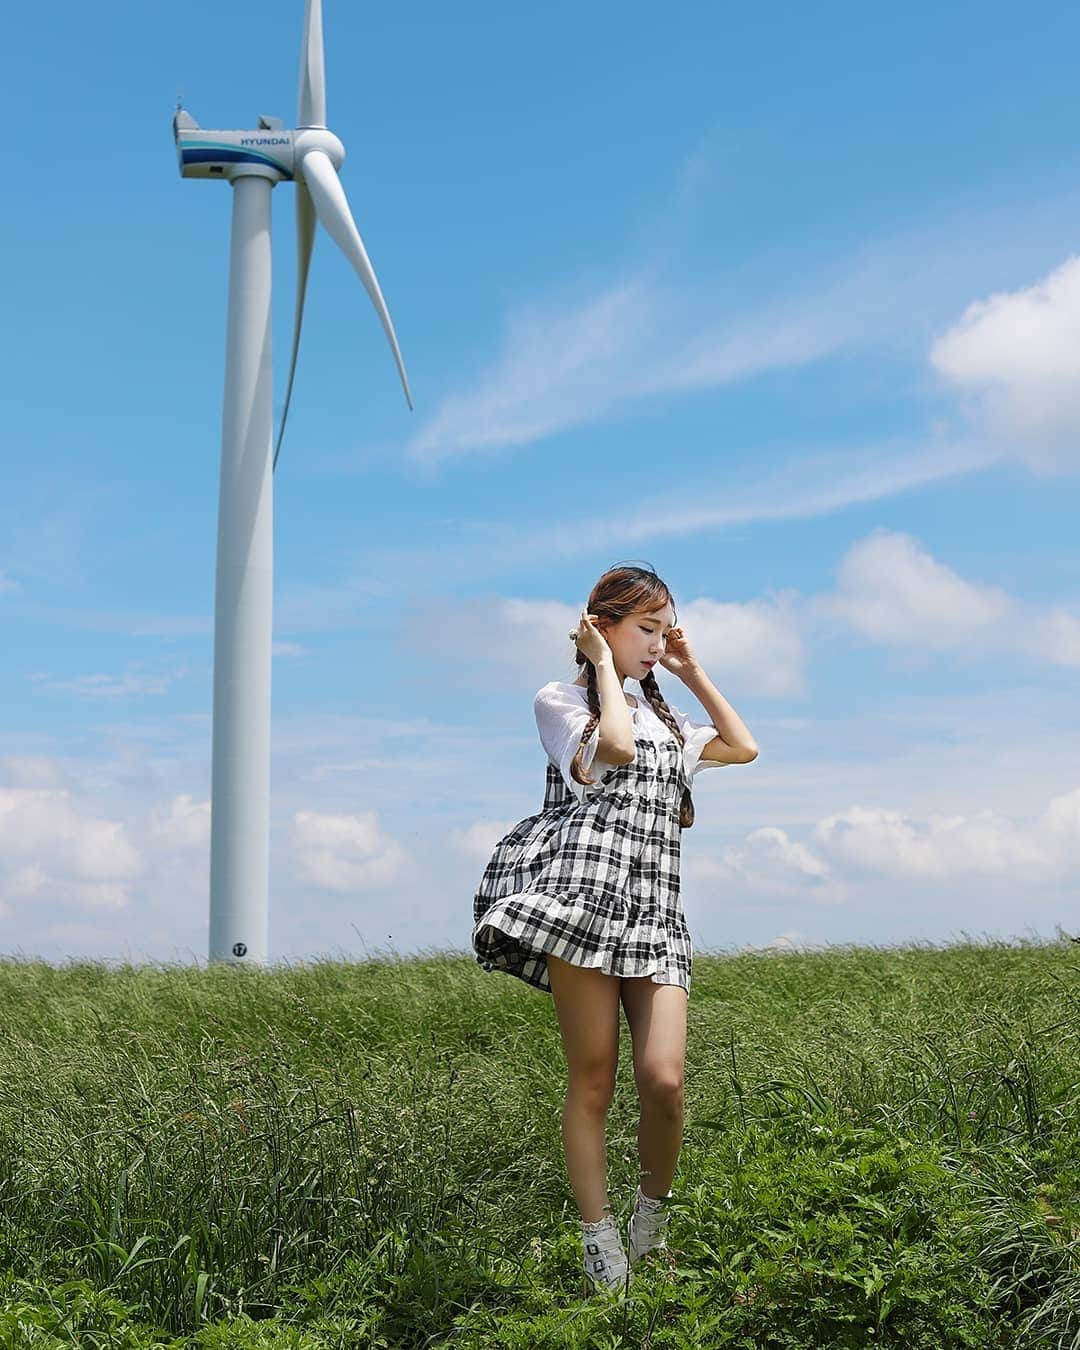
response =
{"points": [[639, 640]]}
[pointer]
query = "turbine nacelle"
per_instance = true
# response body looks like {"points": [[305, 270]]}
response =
{"points": [[278, 150], [223, 154]]}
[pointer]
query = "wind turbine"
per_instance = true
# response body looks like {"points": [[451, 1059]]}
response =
{"points": [[253, 162]]}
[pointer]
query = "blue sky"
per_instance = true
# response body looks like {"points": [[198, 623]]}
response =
{"points": [[784, 301]]}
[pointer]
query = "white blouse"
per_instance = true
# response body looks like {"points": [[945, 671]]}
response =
{"points": [[562, 710]]}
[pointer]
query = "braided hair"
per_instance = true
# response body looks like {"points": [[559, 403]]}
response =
{"points": [[626, 589]]}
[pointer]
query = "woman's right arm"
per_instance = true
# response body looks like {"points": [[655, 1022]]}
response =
{"points": [[616, 729]]}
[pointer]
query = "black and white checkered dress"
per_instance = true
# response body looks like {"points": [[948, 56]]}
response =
{"points": [[595, 881]]}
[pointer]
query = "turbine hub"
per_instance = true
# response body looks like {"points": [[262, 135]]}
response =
{"points": [[318, 138]]}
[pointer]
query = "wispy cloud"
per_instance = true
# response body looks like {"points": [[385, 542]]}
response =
{"points": [[125, 622], [131, 683], [557, 370], [570, 360], [811, 484], [562, 369]]}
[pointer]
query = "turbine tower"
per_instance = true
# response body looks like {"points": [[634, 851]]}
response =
{"points": [[253, 162]]}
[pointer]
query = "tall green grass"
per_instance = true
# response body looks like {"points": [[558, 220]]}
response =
{"points": [[882, 1147]]}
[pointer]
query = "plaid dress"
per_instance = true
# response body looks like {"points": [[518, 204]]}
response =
{"points": [[595, 881]]}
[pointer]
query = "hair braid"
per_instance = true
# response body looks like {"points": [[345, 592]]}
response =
{"points": [[577, 773], [658, 703]]}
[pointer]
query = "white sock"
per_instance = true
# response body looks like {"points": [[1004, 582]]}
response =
{"points": [[643, 1201]]}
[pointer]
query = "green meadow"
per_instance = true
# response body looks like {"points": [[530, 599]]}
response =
{"points": [[882, 1148]]}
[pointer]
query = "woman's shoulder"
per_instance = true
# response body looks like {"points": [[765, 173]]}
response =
{"points": [[556, 689], [559, 699]]}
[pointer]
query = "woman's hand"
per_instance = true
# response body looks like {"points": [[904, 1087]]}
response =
{"points": [[678, 658], [590, 641]]}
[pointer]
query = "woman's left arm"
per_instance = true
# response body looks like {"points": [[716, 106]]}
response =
{"points": [[680, 660], [722, 715]]}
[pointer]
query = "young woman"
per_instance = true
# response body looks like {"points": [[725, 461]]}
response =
{"points": [[582, 900]]}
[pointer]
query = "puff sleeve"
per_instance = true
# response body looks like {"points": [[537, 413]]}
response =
{"points": [[697, 736], [560, 720]]}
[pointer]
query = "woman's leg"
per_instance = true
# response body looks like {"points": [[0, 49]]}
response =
{"points": [[587, 1005], [657, 1017]]}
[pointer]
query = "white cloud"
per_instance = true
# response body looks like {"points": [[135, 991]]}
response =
{"points": [[892, 591], [61, 850], [27, 881], [766, 862], [1019, 353], [345, 852], [457, 633], [753, 642], [851, 848], [940, 848], [184, 824], [31, 771], [1053, 637], [479, 839], [964, 831], [101, 894]]}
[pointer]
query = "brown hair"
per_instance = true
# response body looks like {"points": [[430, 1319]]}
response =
{"points": [[622, 590]]}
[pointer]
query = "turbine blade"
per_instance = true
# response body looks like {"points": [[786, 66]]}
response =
{"points": [[305, 242], [333, 210], [311, 107]]}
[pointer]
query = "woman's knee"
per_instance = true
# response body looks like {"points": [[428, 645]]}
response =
{"points": [[591, 1087], [587, 1006], [662, 1084]]}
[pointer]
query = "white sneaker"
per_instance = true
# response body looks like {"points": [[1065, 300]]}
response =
{"points": [[648, 1226], [603, 1255]]}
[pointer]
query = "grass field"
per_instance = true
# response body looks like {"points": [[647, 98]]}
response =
{"points": [[882, 1148]]}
